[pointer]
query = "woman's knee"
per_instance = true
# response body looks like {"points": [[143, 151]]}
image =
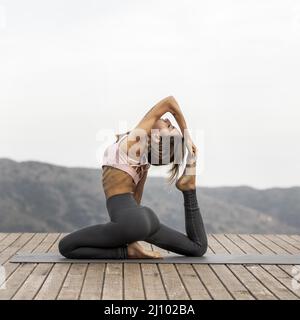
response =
{"points": [[65, 246], [200, 249]]}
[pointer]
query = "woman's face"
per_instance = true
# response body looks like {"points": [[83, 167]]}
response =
{"points": [[166, 128]]}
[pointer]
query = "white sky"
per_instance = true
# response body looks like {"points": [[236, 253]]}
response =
{"points": [[71, 69]]}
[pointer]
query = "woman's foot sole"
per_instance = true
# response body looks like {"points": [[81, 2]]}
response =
{"points": [[188, 179], [136, 251]]}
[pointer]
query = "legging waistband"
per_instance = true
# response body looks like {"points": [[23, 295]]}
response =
{"points": [[119, 201]]}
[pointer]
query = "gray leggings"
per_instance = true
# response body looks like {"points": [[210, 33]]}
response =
{"points": [[132, 222]]}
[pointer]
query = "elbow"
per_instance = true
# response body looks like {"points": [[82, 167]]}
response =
{"points": [[170, 99], [171, 103]]}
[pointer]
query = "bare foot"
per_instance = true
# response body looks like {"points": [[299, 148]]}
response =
{"points": [[136, 251], [188, 179]]}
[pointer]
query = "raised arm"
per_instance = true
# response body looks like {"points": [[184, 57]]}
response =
{"points": [[168, 104], [179, 117], [146, 123]]}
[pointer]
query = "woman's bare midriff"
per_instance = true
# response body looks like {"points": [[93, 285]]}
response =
{"points": [[116, 181]]}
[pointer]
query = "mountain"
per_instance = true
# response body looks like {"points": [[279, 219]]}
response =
{"points": [[280, 203], [41, 197]]}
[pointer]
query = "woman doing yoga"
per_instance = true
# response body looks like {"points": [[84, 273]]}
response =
{"points": [[124, 172]]}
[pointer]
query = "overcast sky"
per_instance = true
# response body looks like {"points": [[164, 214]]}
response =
{"points": [[71, 71]]}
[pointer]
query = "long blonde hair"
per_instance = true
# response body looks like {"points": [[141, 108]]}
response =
{"points": [[175, 156], [177, 147]]}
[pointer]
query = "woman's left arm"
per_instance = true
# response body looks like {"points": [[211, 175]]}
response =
{"points": [[138, 192]]}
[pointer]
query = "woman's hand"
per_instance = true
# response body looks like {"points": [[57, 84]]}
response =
{"points": [[192, 149]]}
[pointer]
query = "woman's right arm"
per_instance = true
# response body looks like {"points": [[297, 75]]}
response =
{"points": [[156, 112], [179, 117], [168, 104], [146, 123]]}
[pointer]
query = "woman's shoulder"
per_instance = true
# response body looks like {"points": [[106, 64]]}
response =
{"points": [[120, 136], [124, 145]]}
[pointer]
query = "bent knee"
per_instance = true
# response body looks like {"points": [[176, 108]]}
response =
{"points": [[65, 247], [200, 250]]}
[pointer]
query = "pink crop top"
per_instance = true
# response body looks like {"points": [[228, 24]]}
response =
{"points": [[117, 158]]}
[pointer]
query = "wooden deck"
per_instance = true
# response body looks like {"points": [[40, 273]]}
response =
{"points": [[150, 281]]}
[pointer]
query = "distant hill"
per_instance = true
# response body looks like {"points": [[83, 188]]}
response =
{"points": [[40, 197]]}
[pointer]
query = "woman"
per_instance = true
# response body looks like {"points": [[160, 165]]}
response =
{"points": [[123, 177]]}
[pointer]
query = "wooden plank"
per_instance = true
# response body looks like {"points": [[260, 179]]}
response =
{"points": [[39, 271], [189, 285], [72, 285], [271, 245], [44, 281], [284, 273], [259, 291], [296, 237], [7, 241], [192, 282], [194, 285], [232, 283], [173, 285], [283, 277], [152, 280], [16, 279], [289, 240], [3, 235], [212, 283], [263, 249], [133, 278], [52, 285], [237, 288], [33, 243], [15, 246], [282, 244], [271, 283], [172, 282], [71, 280], [267, 274], [113, 282], [133, 282], [113, 287], [12, 267], [54, 280], [228, 244], [189, 277], [6, 254], [258, 246], [153, 285], [215, 245], [93, 282], [242, 244], [291, 270], [278, 247]]}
